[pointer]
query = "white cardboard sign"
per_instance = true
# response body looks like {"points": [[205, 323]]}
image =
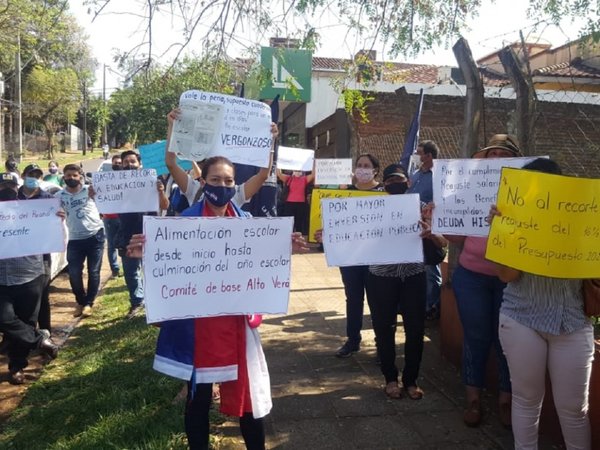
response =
{"points": [[464, 190], [359, 231], [213, 124], [333, 171], [290, 158], [216, 266], [125, 191], [30, 227]]}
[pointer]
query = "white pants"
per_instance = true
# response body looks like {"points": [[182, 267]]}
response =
{"points": [[568, 358]]}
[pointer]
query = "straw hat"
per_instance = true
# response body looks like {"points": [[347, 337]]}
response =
{"points": [[502, 141]]}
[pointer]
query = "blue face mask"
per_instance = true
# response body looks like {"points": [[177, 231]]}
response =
{"points": [[218, 195], [31, 183]]}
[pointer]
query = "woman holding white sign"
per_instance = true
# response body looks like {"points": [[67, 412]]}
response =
{"points": [[355, 277], [402, 288], [543, 327], [223, 349], [478, 292], [192, 188]]}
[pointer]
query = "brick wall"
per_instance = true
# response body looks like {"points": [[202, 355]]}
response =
{"points": [[567, 132]]}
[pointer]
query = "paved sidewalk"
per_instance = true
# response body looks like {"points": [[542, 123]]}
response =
{"points": [[323, 402]]}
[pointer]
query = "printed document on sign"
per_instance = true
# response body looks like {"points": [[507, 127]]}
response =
{"points": [[196, 130]]}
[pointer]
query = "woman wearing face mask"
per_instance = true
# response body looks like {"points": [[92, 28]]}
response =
{"points": [[400, 287], [54, 176], [355, 277], [295, 204], [224, 340], [478, 293]]}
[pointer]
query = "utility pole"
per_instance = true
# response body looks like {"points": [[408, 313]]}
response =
{"points": [[84, 117], [19, 102], [105, 133]]}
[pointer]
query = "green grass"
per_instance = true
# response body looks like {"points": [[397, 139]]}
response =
{"points": [[101, 392], [62, 158]]}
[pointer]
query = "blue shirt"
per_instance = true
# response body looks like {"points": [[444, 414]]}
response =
{"points": [[422, 183]]}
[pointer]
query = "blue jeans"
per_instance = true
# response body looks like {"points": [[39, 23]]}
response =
{"points": [[78, 251], [355, 284], [132, 271], [111, 227], [434, 286], [478, 298]]}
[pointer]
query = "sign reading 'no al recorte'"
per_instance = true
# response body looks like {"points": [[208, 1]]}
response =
{"points": [[290, 73], [550, 224]]}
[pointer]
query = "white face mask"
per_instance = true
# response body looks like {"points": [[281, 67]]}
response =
{"points": [[364, 175]]}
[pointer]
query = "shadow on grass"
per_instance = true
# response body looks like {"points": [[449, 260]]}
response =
{"points": [[101, 392]]}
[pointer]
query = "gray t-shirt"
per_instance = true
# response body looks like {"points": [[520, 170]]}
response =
{"points": [[83, 218]]}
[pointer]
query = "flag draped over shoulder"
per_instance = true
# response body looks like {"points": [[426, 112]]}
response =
{"points": [[411, 139]]}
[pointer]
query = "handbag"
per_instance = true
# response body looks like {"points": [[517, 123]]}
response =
{"points": [[432, 254], [591, 297]]}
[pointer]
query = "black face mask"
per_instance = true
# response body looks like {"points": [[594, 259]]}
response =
{"points": [[396, 188], [116, 167], [7, 195], [130, 168], [72, 182]]}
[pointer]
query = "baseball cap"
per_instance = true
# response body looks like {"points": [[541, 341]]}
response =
{"points": [[8, 177], [394, 170], [32, 168]]}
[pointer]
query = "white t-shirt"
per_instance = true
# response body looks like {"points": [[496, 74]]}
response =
{"points": [[194, 185]]}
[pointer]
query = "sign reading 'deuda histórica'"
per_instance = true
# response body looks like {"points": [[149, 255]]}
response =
{"points": [[212, 124], [363, 231], [123, 191], [30, 227], [549, 225], [209, 266], [464, 190]]}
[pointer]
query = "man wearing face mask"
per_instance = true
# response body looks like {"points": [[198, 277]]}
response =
{"points": [[86, 239], [421, 183], [130, 224], [31, 190], [21, 284]]}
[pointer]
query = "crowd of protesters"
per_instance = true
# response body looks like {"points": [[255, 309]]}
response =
{"points": [[533, 323]]}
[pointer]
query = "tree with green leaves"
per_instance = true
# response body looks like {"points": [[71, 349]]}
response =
{"points": [[51, 97], [98, 116], [404, 26], [138, 111]]}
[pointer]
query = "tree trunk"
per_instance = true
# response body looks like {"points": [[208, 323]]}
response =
{"points": [[526, 99], [474, 99], [50, 138]]}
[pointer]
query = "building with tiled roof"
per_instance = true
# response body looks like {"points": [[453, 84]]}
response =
{"points": [[566, 78], [567, 82]]}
